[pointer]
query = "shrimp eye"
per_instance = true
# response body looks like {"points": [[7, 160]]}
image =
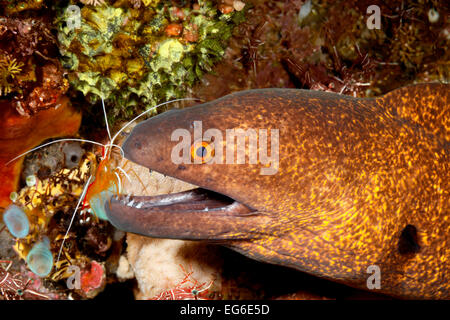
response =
{"points": [[202, 151]]}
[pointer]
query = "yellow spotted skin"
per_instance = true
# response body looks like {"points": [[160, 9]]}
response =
{"points": [[353, 173]]}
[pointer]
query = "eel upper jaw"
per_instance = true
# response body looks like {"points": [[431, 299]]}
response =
{"points": [[197, 214]]}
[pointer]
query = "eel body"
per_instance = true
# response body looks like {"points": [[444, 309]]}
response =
{"points": [[361, 185]]}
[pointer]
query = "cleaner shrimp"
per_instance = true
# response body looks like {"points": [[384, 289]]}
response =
{"points": [[107, 179]]}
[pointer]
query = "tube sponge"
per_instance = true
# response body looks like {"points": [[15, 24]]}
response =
{"points": [[16, 221], [40, 258]]}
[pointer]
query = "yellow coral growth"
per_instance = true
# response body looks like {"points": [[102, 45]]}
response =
{"points": [[46, 196]]}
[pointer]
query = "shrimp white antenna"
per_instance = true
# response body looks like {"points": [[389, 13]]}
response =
{"points": [[52, 142], [106, 119], [83, 194], [150, 110]]}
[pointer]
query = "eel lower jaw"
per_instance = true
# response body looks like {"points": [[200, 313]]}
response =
{"points": [[197, 214]]}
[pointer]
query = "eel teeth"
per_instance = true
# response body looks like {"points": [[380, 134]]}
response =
{"points": [[139, 205]]}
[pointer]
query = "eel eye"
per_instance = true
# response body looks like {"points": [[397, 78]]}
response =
{"points": [[202, 151]]}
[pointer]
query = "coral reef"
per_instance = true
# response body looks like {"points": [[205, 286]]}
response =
{"points": [[329, 47], [40, 258], [93, 279], [135, 57], [14, 7], [21, 285], [49, 204], [93, 2], [49, 160], [30, 131], [156, 265], [136, 53]]}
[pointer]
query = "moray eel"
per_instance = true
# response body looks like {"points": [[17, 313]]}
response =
{"points": [[361, 184]]}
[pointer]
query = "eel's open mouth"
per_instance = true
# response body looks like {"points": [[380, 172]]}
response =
{"points": [[192, 215]]}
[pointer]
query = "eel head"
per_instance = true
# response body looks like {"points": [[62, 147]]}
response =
{"points": [[324, 183]]}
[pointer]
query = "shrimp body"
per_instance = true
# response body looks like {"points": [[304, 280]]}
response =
{"points": [[106, 183]]}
